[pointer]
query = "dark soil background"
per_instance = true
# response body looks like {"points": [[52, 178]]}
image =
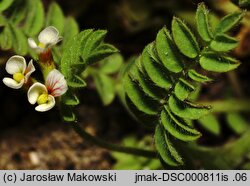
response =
{"points": [[32, 140]]}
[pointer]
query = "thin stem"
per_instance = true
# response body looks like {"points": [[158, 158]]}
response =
{"points": [[232, 105], [104, 144]]}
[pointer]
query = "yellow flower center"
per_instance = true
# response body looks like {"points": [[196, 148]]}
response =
{"points": [[18, 77], [41, 45], [43, 98]]}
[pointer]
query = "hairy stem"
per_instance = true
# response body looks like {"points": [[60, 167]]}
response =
{"points": [[232, 105], [104, 144]]}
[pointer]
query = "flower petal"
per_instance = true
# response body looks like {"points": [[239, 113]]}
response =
{"points": [[34, 46], [56, 83], [29, 70], [49, 36], [9, 82], [35, 91], [32, 43], [16, 64], [46, 106]]}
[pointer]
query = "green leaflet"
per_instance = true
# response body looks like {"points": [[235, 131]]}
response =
{"points": [[34, 18], [72, 65], [111, 64], [223, 43], [168, 52], [76, 82], [146, 84], [154, 70], [67, 113], [70, 99], [184, 39], [4, 4], [102, 51], [2, 21], [192, 74], [177, 126], [182, 89], [210, 123], [203, 26], [139, 98], [18, 12], [55, 17], [236, 122], [19, 41], [217, 63], [146, 119], [72, 52], [228, 22], [70, 30], [193, 96], [188, 110], [105, 87], [92, 42], [165, 148], [6, 38]]}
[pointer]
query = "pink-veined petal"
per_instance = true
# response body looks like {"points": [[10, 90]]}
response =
{"points": [[56, 83], [9, 82], [35, 91], [16, 64], [49, 36], [46, 106], [29, 70]]}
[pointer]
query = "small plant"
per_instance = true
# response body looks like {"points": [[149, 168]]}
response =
{"points": [[159, 87]]}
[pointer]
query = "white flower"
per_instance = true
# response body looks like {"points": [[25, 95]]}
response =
{"points": [[44, 95], [17, 67], [47, 38]]}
